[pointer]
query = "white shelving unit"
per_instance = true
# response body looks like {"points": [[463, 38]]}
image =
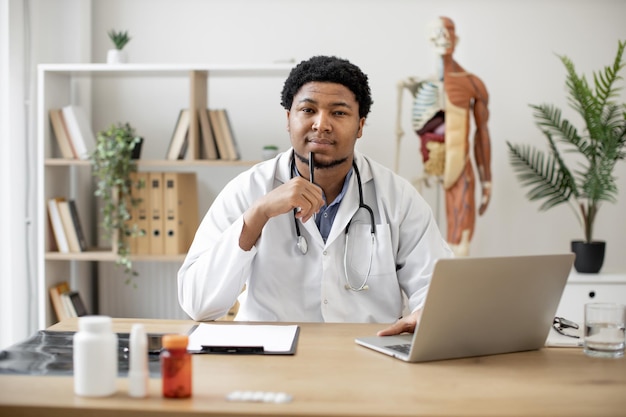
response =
{"points": [[63, 84]]}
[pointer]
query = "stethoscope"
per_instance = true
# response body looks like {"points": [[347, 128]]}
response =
{"points": [[301, 242]]}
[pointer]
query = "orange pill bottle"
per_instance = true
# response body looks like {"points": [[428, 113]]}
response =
{"points": [[176, 369]]}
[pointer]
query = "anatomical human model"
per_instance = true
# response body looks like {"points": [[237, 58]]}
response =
{"points": [[442, 108]]}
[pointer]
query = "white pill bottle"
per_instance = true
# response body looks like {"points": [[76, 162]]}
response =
{"points": [[95, 357]]}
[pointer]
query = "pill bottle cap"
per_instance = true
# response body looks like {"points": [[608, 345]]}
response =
{"points": [[175, 341], [95, 324]]}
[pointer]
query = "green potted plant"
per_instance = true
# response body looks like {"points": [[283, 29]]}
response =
{"points": [[119, 39], [113, 162], [269, 151], [599, 145]]}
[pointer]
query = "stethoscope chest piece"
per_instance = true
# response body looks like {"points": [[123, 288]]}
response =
{"points": [[302, 245]]}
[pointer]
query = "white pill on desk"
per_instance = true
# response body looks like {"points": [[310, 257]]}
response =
{"points": [[234, 396], [282, 397], [259, 396], [268, 397], [247, 396]]}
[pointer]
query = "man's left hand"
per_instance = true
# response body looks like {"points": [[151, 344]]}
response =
{"points": [[404, 325]]}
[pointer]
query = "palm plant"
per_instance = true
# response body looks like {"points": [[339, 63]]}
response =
{"points": [[601, 145]]}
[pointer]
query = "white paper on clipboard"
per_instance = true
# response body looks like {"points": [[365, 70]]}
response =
{"points": [[275, 339]]}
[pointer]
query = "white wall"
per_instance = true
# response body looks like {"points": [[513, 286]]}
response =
{"points": [[511, 45]]}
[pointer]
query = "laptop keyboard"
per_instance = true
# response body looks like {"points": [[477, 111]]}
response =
{"points": [[403, 348]]}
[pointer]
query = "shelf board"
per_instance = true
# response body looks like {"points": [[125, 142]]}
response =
{"points": [[278, 68], [157, 162], [108, 256]]}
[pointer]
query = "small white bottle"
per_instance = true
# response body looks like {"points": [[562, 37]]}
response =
{"points": [[138, 362], [95, 357]]}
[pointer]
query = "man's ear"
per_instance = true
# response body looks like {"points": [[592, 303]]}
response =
{"points": [[359, 132], [288, 112]]}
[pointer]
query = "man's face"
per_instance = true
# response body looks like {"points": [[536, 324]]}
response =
{"points": [[442, 36], [324, 118]]}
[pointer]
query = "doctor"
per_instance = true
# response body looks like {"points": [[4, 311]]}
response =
{"points": [[321, 233]]}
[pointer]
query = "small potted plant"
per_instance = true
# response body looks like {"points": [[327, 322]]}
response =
{"points": [[599, 145], [269, 151], [113, 163], [117, 55]]}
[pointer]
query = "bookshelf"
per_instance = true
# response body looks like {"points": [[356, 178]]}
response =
{"points": [[87, 85]]}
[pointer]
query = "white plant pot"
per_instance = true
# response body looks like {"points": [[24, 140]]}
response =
{"points": [[268, 153], [116, 56]]}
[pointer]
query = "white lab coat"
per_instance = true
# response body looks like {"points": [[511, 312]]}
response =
{"points": [[282, 284]]}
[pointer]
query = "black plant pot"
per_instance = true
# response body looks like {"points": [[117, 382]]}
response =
{"points": [[589, 256], [137, 149]]}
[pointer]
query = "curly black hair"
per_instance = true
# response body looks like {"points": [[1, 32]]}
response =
{"points": [[328, 69]]}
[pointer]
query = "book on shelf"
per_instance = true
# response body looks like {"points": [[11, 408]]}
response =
{"points": [[157, 223], [74, 304], [79, 130], [58, 230], [180, 203], [220, 136], [59, 306], [229, 134], [60, 133], [80, 232], [68, 226], [178, 142], [208, 149]]}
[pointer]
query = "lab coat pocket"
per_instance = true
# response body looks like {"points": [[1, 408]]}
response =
{"points": [[367, 255]]}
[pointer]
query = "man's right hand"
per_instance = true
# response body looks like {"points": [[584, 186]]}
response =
{"points": [[296, 193]]}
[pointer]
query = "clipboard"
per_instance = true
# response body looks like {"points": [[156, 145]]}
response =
{"points": [[244, 339]]}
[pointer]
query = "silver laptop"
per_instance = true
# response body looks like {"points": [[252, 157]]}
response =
{"points": [[483, 306]]}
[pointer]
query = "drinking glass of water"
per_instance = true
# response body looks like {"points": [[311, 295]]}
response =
{"points": [[604, 330]]}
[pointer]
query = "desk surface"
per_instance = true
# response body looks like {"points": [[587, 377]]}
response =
{"points": [[332, 376]]}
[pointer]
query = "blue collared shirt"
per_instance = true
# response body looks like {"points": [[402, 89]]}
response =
{"points": [[326, 216]]}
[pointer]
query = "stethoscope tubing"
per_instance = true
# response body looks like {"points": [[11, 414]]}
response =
{"points": [[302, 244]]}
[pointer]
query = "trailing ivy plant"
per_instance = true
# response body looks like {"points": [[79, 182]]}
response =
{"points": [[600, 144], [112, 166]]}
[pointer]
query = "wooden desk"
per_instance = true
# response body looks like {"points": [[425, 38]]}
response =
{"points": [[332, 376]]}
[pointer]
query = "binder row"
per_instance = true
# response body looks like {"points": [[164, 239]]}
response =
{"points": [[167, 213]]}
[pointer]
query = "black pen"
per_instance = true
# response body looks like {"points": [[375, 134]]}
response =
{"points": [[245, 350], [311, 169]]}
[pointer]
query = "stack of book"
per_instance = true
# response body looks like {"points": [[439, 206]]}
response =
{"points": [[65, 302], [66, 226], [73, 132], [217, 140]]}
